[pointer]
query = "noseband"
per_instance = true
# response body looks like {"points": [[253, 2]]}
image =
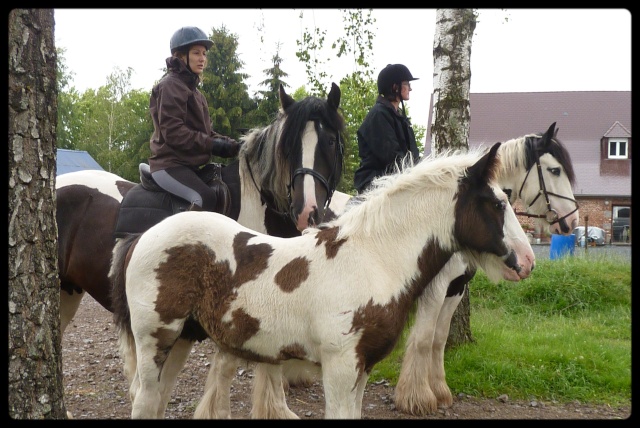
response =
{"points": [[551, 216], [329, 188]]}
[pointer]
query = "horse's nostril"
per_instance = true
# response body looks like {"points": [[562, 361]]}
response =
{"points": [[512, 261], [313, 217]]}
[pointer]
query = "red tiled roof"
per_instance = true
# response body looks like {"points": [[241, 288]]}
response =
{"points": [[582, 119]]}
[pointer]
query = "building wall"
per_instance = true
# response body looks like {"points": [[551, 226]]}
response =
{"points": [[598, 210]]}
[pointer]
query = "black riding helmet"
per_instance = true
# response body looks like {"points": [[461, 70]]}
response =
{"points": [[187, 36], [393, 74]]}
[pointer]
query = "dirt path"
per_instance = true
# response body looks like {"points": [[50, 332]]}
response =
{"points": [[95, 387]]}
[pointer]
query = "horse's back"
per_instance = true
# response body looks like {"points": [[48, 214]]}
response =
{"points": [[188, 230], [87, 204]]}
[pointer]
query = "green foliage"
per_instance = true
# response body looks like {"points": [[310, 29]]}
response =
{"points": [[223, 84], [356, 40], [300, 93], [67, 97], [269, 100], [314, 67], [357, 97], [563, 334], [112, 124]]}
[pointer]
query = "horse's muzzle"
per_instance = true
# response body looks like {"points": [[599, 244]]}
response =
{"points": [[512, 261]]}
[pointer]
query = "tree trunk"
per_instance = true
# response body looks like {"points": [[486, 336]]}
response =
{"points": [[35, 368], [451, 112]]}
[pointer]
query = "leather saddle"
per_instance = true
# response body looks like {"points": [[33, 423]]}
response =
{"points": [[146, 204]]}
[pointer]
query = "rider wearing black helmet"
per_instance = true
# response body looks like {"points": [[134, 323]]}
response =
{"points": [[386, 136], [183, 139]]}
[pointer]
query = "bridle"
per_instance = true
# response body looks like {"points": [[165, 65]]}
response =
{"points": [[330, 188], [332, 177], [551, 216]]}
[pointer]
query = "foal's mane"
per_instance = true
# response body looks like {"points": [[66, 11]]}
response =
{"points": [[436, 171], [521, 151], [273, 151]]}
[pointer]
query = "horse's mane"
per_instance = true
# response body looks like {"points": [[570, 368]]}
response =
{"points": [[437, 171], [271, 162], [520, 151]]}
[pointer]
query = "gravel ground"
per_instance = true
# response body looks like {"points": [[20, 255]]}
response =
{"points": [[95, 387]]}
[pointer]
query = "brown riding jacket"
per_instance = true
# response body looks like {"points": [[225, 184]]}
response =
{"points": [[182, 133]]}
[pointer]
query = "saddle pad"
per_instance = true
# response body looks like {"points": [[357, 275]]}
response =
{"points": [[141, 209]]}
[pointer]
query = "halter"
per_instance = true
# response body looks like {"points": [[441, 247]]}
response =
{"points": [[551, 216]]}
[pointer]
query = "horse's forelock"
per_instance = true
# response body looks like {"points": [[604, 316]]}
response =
{"points": [[513, 154], [534, 148], [560, 152], [279, 144]]}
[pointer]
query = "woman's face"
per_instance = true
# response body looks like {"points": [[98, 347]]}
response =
{"points": [[197, 58], [406, 90]]}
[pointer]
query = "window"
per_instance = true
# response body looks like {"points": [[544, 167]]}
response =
{"points": [[620, 224], [618, 148]]}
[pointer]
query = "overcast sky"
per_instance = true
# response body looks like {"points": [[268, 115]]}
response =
{"points": [[513, 50]]}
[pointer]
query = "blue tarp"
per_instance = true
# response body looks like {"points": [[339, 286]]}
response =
{"points": [[74, 160]]}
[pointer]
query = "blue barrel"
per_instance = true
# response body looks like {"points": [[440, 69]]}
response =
{"points": [[562, 245]]}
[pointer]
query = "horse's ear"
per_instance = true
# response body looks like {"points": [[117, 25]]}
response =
{"points": [[334, 96], [285, 99], [552, 131], [545, 141], [487, 167]]}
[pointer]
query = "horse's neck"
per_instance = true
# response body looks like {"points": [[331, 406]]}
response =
{"points": [[262, 176], [397, 233], [252, 211]]}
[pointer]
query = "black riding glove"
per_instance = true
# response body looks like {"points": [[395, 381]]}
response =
{"points": [[225, 147]]}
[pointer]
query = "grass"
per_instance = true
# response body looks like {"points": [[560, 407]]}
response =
{"points": [[564, 334]]}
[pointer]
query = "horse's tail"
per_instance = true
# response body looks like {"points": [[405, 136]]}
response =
{"points": [[121, 314], [119, 261]]}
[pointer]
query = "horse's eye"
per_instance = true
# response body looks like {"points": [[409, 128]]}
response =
{"points": [[501, 206], [332, 141], [554, 171]]}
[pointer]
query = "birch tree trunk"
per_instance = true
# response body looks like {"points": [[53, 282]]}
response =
{"points": [[451, 112], [35, 367]]}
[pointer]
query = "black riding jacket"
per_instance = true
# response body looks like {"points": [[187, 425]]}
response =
{"points": [[384, 138]]}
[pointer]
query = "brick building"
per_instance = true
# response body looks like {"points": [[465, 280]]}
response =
{"points": [[595, 126]]}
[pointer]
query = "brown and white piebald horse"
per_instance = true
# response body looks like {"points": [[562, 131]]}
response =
{"points": [[337, 296], [536, 170], [282, 182]]}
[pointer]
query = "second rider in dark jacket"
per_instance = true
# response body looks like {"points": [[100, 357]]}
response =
{"points": [[386, 136]]}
